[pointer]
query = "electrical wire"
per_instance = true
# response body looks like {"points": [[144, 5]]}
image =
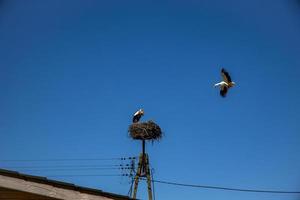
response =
{"points": [[84, 175], [67, 159], [120, 166], [62, 166], [225, 188], [130, 189], [78, 169]]}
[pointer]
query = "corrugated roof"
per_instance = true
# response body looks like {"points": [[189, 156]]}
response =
{"points": [[60, 184]]}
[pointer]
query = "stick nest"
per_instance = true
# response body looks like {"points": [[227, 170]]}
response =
{"points": [[145, 131]]}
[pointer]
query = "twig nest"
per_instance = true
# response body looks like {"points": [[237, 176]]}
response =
{"points": [[145, 131]]}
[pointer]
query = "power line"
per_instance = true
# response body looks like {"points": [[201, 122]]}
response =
{"points": [[62, 166], [83, 175], [225, 188], [77, 169], [122, 166], [67, 159]]}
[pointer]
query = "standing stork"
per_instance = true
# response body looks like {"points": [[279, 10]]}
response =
{"points": [[225, 84], [137, 115]]}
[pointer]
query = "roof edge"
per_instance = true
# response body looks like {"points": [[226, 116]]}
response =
{"points": [[60, 184]]}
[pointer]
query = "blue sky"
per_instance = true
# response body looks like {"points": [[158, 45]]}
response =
{"points": [[73, 72]]}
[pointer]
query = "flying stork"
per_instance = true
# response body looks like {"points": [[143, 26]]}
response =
{"points": [[225, 84], [137, 115]]}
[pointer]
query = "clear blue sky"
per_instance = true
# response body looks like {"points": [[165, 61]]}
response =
{"points": [[73, 72]]}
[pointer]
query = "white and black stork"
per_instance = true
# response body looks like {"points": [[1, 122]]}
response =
{"points": [[225, 84], [137, 115]]}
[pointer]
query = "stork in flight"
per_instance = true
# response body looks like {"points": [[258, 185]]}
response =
{"points": [[225, 84], [137, 115]]}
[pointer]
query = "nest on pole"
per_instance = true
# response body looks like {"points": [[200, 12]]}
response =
{"points": [[145, 131]]}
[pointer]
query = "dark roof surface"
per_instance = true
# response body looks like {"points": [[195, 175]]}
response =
{"points": [[60, 184]]}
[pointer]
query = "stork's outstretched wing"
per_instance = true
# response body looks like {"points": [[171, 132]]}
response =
{"points": [[225, 76]]}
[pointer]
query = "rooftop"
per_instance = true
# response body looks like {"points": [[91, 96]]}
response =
{"points": [[60, 184]]}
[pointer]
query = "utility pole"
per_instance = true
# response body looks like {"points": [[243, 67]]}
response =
{"points": [[143, 170]]}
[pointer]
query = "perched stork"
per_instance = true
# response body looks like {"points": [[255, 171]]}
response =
{"points": [[137, 115], [225, 84]]}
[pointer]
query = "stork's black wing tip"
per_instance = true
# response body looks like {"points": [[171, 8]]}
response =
{"points": [[223, 92], [222, 95]]}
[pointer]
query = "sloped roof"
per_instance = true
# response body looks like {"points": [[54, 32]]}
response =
{"points": [[60, 184]]}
